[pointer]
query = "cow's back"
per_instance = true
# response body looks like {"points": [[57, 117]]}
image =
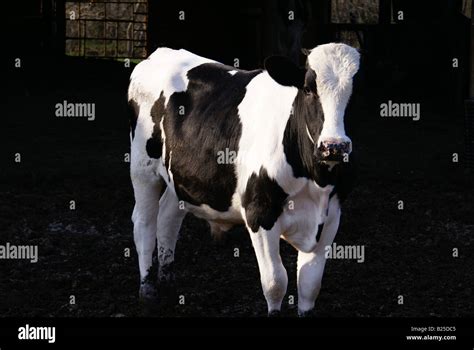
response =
{"points": [[188, 120], [163, 71]]}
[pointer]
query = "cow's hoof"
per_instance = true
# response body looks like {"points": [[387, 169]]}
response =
{"points": [[309, 313], [274, 313], [147, 293]]}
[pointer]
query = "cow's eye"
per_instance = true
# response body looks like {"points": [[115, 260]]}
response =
{"points": [[307, 91]]}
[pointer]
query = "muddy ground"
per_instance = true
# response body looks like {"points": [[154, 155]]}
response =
{"points": [[81, 252]]}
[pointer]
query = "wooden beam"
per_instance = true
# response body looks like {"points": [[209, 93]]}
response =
{"points": [[385, 11], [60, 39], [471, 82]]}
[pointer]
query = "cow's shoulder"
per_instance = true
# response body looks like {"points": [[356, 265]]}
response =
{"points": [[226, 79]]}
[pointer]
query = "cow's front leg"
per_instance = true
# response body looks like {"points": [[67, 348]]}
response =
{"points": [[311, 264], [273, 275], [170, 218]]}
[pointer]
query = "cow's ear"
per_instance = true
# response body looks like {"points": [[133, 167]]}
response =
{"points": [[284, 71], [305, 52]]}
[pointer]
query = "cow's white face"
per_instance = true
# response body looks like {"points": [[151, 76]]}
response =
{"points": [[327, 84], [334, 66]]}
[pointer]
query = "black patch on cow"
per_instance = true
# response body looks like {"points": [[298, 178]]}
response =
{"points": [[344, 177], [310, 81], [208, 124], [263, 201], [133, 111], [300, 151], [320, 229], [298, 148], [284, 71], [154, 144]]}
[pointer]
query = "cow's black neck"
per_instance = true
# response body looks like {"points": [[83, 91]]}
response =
{"points": [[298, 146]]}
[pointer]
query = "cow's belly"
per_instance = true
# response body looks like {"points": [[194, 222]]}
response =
{"points": [[302, 213], [210, 201], [219, 221], [230, 217]]}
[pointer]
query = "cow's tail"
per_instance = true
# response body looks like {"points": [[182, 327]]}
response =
{"points": [[133, 110]]}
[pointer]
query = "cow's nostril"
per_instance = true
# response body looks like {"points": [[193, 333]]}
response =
{"points": [[345, 147], [330, 150]]}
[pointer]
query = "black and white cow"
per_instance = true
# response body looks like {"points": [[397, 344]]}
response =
{"points": [[291, 170]]}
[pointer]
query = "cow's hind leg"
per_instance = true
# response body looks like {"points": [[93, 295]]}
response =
{"points": [[147, 192], [311, 265], [170, 218]]}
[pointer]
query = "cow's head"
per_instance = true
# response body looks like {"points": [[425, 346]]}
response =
{"points": [[325, 86]]}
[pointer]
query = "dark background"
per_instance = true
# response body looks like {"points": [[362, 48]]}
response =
{"points": [[81, 252]]}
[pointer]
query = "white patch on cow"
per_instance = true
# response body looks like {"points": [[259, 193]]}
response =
{"points": [[166, 173], [170, 218], [163, 138], [273, 274], [169, 167], [335, 66], [205, 212], [264, 113], [300, 225], [232, 72], [311, 264], [164, 71], [309, 134], [147, 189], [230, 217], [140, 163]]}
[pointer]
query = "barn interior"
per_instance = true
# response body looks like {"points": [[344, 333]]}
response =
{"points": [[64, 182]]}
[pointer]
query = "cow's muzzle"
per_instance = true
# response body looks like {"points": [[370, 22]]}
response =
{"points": [[334, 150]]}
